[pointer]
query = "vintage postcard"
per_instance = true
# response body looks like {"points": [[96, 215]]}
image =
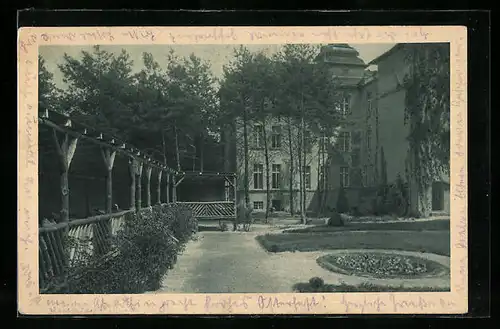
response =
{"points": [[242, 170]]}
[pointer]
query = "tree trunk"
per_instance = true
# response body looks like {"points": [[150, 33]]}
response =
{"points": [[266, 159], [164, 147], [177, 149], [301, 175], [325, 179], [235, 222], [245, 150], [318, 179], [201, 153], [291, 171]]}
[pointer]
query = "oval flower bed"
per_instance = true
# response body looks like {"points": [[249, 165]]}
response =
{"points": [[381, 265]]}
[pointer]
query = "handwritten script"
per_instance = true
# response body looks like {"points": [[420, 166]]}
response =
{"points": [[228, 34]]}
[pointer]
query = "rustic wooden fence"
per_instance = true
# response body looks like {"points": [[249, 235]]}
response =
{"points": [[88, 236]]}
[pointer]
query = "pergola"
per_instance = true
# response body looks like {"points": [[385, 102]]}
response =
{"points": [[66, 134]]}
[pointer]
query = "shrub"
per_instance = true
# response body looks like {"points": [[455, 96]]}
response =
{"points": [[223, 226], [316, 282], [392, 199], [342, 202], [142, 252], [335, 219]]}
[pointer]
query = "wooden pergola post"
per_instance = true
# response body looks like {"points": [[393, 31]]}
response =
{"points": [[132, 164], [139, 186], [65, 150], [167, 194], [226, 189], [158, 188], [149, 169], [174, 189], [109, 160]]}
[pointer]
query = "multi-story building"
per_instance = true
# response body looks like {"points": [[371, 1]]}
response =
{"points": [[356, 158], [393, 131]]}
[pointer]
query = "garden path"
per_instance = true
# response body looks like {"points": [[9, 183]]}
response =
{"points": [[233, 262]]}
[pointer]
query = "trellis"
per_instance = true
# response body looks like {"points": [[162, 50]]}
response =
{"points": [[220, 209]]}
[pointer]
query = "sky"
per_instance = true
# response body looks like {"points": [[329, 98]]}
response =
{"points": [[217, 55]]}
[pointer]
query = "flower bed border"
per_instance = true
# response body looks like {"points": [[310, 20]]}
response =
{"points": [[438, 270]]}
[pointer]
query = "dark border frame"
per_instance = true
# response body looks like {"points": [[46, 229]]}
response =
{"points": [[478, 23]]}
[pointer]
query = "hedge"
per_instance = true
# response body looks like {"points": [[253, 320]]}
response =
{"points": [[141, 253]]}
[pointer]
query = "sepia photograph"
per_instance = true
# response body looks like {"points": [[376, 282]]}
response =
{"points": [[244, 168]]}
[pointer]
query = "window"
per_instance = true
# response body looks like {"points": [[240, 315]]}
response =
{"points": [[307, 176], [276, 137], [345, 141], [258, 136], [344, 106], [258, 205], [276, 173], [258, 176], [344, 176]]}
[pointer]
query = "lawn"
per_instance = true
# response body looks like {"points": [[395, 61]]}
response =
{"points": [[437, 242], [431, 225]]}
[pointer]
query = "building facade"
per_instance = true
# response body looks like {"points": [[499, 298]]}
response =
{"points": [[370, 151]]}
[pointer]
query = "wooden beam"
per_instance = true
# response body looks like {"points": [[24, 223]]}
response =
{"points": [[139, 185], [132, 162], [148, 185], [174, 189], [179, 181], [108, 156], [65, 150], [158, 188], [229, 181], [167, 196]]}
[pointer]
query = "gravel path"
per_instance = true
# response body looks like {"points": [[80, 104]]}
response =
{"points": [[233, 262]]}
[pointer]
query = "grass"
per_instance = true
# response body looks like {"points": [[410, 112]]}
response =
{"points": [[437, 242], [364, 287], [432, 225]]}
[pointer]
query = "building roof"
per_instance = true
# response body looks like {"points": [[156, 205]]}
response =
{"points": [[368, 77], [340, 53], [387, 53]]}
